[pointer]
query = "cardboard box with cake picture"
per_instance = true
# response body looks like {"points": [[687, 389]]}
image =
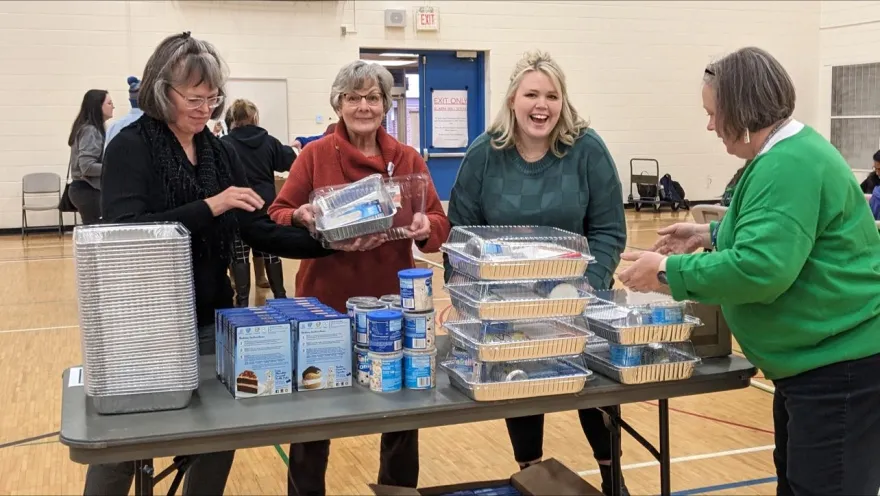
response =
{"points": [[548, 478]]}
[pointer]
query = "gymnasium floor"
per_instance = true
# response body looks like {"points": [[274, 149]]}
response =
{"points": [[721, 443]]}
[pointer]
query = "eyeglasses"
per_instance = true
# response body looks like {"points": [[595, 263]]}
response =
{"points": [[194, 102], [709, 72], [353, 99]]}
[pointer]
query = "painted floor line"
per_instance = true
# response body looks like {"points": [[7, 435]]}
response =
{"points": [[725, 487], [27, 260], [690, 458], [54, 328]]}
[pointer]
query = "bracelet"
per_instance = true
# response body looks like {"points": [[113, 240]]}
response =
{"points": [[713, 235]]}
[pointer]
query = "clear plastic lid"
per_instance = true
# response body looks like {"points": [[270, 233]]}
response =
{"points": [[623, 356], [622, 309], [473, 371], [518, 299], [516, 243], [518, 340], [517, 252], [347, 204], [521, 291], [409, 194]]}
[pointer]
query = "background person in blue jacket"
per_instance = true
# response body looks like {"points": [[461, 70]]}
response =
{"points": [[134, 87]]}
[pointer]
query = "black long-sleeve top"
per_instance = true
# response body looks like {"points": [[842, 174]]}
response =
{"points": [[132, 192], [262, 155]]}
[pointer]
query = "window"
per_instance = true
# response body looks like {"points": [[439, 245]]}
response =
{"points": [[855, 112]]}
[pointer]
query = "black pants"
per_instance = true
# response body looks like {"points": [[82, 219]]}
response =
{"points": [[207, 475], [87, 201], [527, 435], [398, 463], [827, 424]]}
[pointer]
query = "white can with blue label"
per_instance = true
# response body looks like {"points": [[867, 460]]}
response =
{"points": [[362, 331], [419, 368], [386, 372], [385, 330], [362, 355], [416, 289], [350, 305], [418, 330]]}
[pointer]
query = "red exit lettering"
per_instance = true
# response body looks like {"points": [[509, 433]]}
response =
{"points": [[426, 19]]}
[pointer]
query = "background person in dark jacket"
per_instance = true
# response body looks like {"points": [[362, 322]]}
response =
{"points": [[261, 155], [873, 179]]}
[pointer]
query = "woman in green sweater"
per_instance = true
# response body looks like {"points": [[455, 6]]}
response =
{"points": [[540, 164], [797, 273]]}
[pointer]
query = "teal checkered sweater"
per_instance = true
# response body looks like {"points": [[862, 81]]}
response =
{"points": [[579, 192]]}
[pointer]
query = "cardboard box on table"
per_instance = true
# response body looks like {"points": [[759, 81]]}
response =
{"points": [[712, 339], [548, 478]]}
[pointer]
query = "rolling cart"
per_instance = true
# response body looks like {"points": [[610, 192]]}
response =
{"points": [[648, 187]]}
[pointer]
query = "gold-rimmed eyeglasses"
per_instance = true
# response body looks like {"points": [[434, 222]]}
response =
{"points": [[353, 99], [194, 102]]}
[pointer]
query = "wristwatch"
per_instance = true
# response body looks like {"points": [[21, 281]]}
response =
{"points": [[661, 276]]}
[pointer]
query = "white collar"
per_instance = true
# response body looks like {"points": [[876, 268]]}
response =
{"points": [[787, 131]]}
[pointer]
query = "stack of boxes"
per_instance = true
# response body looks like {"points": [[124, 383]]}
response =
{"points": [[290, 344]]}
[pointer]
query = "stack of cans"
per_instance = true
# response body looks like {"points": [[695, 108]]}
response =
{"points": [[137, 316]]}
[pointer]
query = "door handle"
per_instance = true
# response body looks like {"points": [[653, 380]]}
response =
{"points": [[444, 155]]}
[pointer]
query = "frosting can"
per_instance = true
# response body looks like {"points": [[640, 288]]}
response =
{"points": [[362, 331], [391, 299], [419, 368], [385, 330], [363, 365], [386, 372], [418, 330], [416, 289]]}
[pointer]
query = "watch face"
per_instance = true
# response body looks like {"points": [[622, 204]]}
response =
{"points": [[662, 277]]}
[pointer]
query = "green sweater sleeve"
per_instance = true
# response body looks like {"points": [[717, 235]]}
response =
{"points": [[765, 248], [605, 220], [464, 200]]}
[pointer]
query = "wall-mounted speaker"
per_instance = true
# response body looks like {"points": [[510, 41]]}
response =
{"points": [[395, 18]]}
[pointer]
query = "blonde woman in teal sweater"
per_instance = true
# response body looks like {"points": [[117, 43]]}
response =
{"points": [[797, 272]]}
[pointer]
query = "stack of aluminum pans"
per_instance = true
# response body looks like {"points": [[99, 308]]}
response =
{"points": [[137, 316]]}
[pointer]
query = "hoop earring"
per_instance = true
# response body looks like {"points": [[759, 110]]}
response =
{"points": [[746, 139]]}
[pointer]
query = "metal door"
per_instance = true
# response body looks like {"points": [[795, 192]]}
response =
{"points": [[449, 70]]}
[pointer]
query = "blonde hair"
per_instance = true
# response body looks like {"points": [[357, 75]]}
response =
{"points": [[570, 124], [242, 112]]}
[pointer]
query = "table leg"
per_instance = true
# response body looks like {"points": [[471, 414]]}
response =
{"points": [[143, 478], [616, 447], [665, 463]]}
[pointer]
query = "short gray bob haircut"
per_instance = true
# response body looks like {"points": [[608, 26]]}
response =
{"points": [[179, 60], [752, 91], [360, 75]]}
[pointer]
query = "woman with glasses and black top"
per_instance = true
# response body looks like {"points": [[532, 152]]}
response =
{"points": [[86, 142], [168, 167]]}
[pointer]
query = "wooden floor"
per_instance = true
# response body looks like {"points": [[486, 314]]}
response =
{"points": [[716, 439]]}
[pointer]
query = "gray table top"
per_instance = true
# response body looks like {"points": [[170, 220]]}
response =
{"points": [[215, 421]]}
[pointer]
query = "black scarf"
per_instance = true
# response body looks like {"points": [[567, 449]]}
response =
{"points": [[185, 184]]}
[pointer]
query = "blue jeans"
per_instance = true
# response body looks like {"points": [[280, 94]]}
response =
{"points": [[827, 424]]}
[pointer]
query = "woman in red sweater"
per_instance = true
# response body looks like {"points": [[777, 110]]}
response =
{"points": [[358, 147]]}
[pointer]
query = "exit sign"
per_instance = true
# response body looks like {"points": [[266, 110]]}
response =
{"points": [[427, 19]]}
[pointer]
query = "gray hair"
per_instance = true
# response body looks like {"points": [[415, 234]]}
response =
{"points": [[359, 75], [752, 91], [180, 59]]}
